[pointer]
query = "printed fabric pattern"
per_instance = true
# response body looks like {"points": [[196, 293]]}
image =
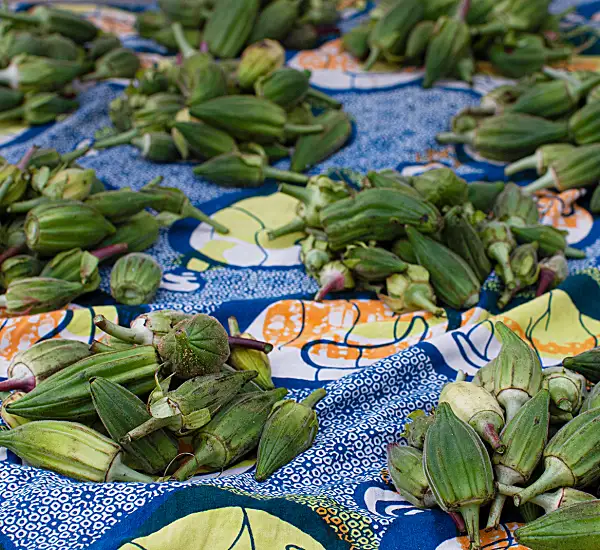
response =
{"points": [[377, 366]]}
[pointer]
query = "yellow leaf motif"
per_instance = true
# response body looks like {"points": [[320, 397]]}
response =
{"points": [[230, 528], [247, 243]]}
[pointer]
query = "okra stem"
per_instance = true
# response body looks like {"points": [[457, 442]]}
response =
{"points": [[372, 59], [501, 254], [470, 514], [304, 129], [120, 139], [574, 253], [508, 490], [234, 327], [122, 333], [5, 186], [100, 347], [10, 252], [284, 175], [419, 298], [190, 211], [323, 98], [493, 439], [556, 474], [151, 425], [154, 182], [22, 165], [496, 511], [505, 298], [314, 398], [201, 456], [184, 46], [109, 251], [296, 225], [22, 384], [300, 193], [559, 75], [249, 343], [22, 207], [452, 137], [545, 182], [527, 163], [73, 155], [120, 472]]}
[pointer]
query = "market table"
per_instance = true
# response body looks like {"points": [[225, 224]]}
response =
{"points": [[376, 366]]}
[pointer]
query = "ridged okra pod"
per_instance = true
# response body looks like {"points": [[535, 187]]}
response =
{"points": [[368, 215]]}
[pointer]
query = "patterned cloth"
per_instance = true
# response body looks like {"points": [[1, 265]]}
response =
{"points": [[376, 366]]}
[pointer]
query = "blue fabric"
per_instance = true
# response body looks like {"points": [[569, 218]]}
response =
{"points": [[337, 492]]}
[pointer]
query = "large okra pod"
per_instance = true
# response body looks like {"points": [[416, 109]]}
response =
{"points": [[452, 278], [232, 433], [579, 167], [448, 43], [229, 26], [525, 437], [543, 157], [203, 141], [586, 363], [462, 238], [575, 527], [195, 346], [51, 20], [405, 465], [249, 118], [49, 227], [275, 21], [289, 431], [120, 205], [477, 407], [190, 406], [120, 411], [483, 194], [584, 125], [377, 214], [40, 361], [515, 207], [312, 149], [389, 35], [552, 99], [139, 233], [38, 295], [509, 136], [66, 394], [517, 372], [458, 468], [70, 449], [571, 458]]}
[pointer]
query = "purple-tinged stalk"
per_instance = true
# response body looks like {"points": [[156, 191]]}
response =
{"points": [[249, 343]]}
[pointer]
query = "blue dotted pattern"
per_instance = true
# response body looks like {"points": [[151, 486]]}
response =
{"points": [[362, 412]]}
